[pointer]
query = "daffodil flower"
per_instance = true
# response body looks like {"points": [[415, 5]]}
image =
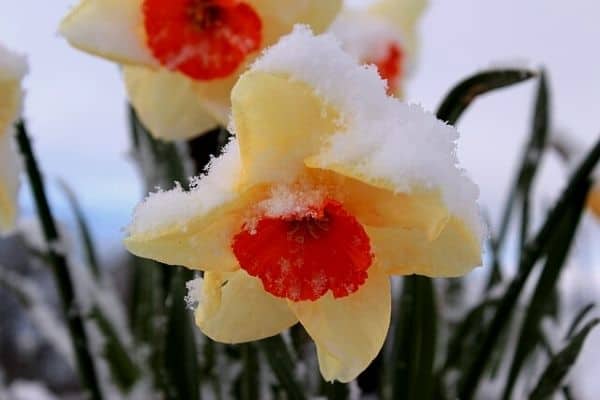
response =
{"points": [[13, 67], [330, 187], [384, 35], [182, 57]]}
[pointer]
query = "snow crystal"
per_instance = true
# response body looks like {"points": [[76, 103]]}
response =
{"points": [[398, 144], [164, 209], [13, 66], [194, 293]]}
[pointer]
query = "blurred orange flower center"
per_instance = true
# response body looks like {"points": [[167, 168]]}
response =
{"points": [[203, 39], [390, 67], [301, 257]]}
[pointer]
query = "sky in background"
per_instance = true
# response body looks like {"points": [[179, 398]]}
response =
{"points": [[75, 104]]}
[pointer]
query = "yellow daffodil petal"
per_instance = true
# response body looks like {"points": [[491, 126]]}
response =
{"points": [[349, 331], [194, 228], [593, 200], [278, 122], [453, 253], [234, 308], [422, 210], [167, 103], [112, 29], [12, 69], [404, 14], [279, 17], [215, 96]]}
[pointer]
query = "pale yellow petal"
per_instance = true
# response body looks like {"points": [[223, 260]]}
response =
{"points": [[167, 103], [234, 308], [593, 201], [215, 96], [349, 332], [278, 122], [279, 17], [112, 29], [454, 252]]}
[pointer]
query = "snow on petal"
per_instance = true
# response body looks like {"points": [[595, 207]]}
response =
{"points": [[13, 68], [349, 332], [394, 145], [111, 29], [234, 308], [193, 228], [167, 103]]}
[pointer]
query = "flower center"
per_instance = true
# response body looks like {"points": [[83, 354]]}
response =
{"points": [[203, 39], [301, 257], [390, 67]]}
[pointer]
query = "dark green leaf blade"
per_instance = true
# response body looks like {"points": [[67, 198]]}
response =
{"points": [[463, 94], [560, 365], [282, 365]]}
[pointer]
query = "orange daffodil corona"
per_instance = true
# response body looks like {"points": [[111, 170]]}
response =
{"points": [[181, 58], [13, 68], [329, 187], [385, 35]]}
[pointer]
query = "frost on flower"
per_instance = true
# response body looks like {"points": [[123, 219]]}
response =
{"points": [[182, 57], [13, 68], [329, 187]]}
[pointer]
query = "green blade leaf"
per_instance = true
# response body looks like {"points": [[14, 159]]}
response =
{"points": [[249, 383], [577, 320], [560, 365], [530, 255], [529, 336], [463, 94], [413, 342], [281, 363]]}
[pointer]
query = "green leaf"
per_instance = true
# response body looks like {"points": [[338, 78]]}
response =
{"points": [[545, 288], [530, 255], [336, 390], [578, 318], [281, 363], [463, 94], [60, 268], [249, 383], [560, 365], [83, 228], [181, 359], [413, 342]]}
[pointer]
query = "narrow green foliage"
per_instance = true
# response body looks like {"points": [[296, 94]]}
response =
{"points": [[577, 320], [123, 369], [281, 363], [561, 363], [249, 382], [558, 251], [84, 230], [413, 341], [530, 255], [336, 391], [463, 94], [58, 262]]}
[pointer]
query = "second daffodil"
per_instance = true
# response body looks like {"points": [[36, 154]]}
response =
{"points": [[383, 34], [182, 57], [13, 68], [330, 187]]}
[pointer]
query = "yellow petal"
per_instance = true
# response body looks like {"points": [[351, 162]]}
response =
{"points": [[167, 103], [349, 332], [234, 308], [423, 210], [278, 122], [9, 181], [195, 228], [279, 17], [215, 96], [593, 201], [111, 29], [404, 14], [454, 252]]}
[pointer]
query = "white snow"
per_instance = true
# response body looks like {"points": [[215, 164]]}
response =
{"points": [[163, 209], [194, 294], [29, 390], [398, 144]]}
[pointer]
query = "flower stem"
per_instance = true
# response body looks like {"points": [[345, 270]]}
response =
{"points": [[60, 269]]}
